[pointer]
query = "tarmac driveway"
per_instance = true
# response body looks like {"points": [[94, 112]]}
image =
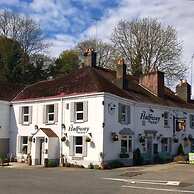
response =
{"points": [[134, 180]]}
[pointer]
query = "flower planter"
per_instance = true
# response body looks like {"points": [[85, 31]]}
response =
{"points": [[88, 139], [63, 138]]}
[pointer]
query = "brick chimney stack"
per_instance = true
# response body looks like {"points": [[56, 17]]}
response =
{"points": [[90, 58], [183, 90], [154, 82], [121, 80]]}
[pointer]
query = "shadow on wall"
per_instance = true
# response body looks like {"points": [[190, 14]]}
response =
{"points": [[13, 133]]}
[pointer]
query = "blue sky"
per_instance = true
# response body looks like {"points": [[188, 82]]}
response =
{"points": [[66, 22]]}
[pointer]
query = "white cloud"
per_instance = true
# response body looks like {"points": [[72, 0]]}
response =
{"points": [[59, 43]]}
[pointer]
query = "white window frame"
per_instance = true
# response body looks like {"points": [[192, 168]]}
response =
{"points": [[166, 119], [79, 112], [166, 146], [192, 121], [23, 145], [75, 146], [127, 138], [50, 113], [25, 115], [123, 114]]}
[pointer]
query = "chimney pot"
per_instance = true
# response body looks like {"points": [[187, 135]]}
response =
{"points": [[90, 58], [183, 90], [121, 69]]}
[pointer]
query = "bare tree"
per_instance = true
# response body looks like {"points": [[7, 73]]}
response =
{"points": [[23, 30], [106, 53], [147, 45]]}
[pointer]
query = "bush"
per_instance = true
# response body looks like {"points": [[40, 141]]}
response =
{"points": [[180, 150], [97, 167], [91, 166], [137, 158], [52, 163], [180, 158]]}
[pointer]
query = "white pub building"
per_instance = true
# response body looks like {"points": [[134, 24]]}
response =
{"points": [[94, 115]]}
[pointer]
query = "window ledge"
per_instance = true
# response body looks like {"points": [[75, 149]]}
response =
{"points": [[51, 123], [77, 158], [25, 124]]}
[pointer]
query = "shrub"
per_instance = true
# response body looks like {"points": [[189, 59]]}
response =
{"points": [[137, 158], [52, 163], [97, 167], [180, 158], [180, 150], [91, 166]]}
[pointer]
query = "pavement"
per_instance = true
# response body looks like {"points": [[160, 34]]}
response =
{"points": [[160, 179]]}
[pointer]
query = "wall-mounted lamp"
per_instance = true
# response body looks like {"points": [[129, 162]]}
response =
{"points": [[63, 126], [46, 140], [34, 140]]}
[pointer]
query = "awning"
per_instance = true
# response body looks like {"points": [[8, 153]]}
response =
{"points": [[126, 131], [47, 131]]}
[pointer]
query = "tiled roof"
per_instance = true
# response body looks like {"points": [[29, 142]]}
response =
{"points": [[90, 80], [9, 90]]}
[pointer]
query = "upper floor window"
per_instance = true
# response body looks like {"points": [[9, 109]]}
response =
{"points": [[25, 115], [191, 121], [166, 119], [79, 111], [124, 114], [50, 113]]}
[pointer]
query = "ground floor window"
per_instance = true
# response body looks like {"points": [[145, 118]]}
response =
{"points": [[165, 143], [78, 144], [23, 144], [192, 145], [126, 144]]}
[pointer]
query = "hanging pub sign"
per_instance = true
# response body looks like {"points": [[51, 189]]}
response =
{"points": [[78, 129], [180, 124], [150, 117]]}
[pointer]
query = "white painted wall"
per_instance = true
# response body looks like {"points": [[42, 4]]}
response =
{"points": [[97, 115], [112, 149], [94, 123]]}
